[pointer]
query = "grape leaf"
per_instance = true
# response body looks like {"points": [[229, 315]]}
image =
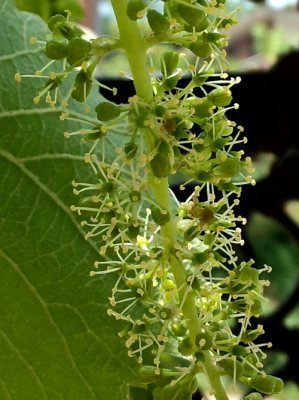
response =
{"points": [[56, 340]]}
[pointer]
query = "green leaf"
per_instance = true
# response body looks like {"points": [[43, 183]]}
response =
{"points": [[56, 340]]}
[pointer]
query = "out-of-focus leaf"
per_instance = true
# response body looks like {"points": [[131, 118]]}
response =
{"points": [[56, 340]]}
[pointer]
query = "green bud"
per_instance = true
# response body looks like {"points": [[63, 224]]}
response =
{"points": [[135, 196], [103, 45], [191, 233], [107, 187], [138, 291], [170, 59], [167, 392], [249, 275], [214, 326], [248, 370], [201, 77], [256, 308], [179, 132], [78, 50], [228, 187], [253, 396], [134, 7], [186, 346], [179, 328], [200, 357], [160, 164], [161, 218], [203, 176], [171, 81], [220, 97], [130, 150], [198, 28], [203, 341], [230, 167], [160, 111], [222, 23], [140, 329], [107, 111], [215, 37], [231, 366], [268, 384], [192, 16], [133, 231], [56, 50], [158, 23], [59, 18], [200, 258], [203, 109], [200, 48], [147, 375], [208, 238], [83, 85], [250, 335], [237, 351], [221, 142], [165, 313]]}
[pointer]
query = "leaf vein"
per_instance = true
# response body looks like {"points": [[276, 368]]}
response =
{"points": [[47, 312]]}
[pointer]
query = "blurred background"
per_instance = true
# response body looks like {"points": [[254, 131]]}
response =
{"points": [[264, 49]]}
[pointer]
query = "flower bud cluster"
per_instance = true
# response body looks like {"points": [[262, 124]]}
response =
{"points": [[120, 211]]}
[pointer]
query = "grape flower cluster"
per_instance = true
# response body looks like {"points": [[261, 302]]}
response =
{"points": [[120, 211]]}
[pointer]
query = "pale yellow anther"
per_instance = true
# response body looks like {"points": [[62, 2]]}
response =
{"points": [[52, 75], [48, 99], [63, 116], [87, 109], [84, 65], [18, 77], [52, 104], [32, 40], [64, 103], [114, 91], [92, 273], [36, 99], [87, 157], [121, 73], [140, 14]]}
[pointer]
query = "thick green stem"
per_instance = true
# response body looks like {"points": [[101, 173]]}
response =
{"points": [[135, 47]]}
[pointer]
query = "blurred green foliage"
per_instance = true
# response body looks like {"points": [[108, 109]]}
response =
{"points": [[47, 8]]}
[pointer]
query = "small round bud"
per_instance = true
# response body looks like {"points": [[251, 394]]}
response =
{"points": [[232, 367], [203, 341], [133, 9], [157, 22], [161, 218], [56, 50], [107, 111]]}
